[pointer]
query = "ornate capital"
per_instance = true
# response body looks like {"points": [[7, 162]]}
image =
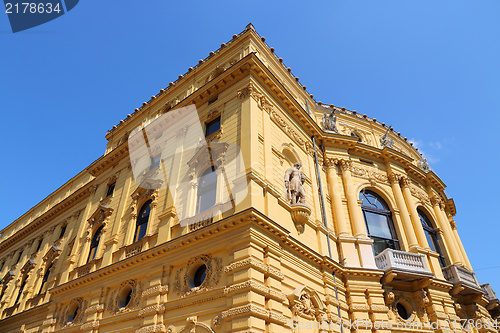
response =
{"points": [[404, 181], [435, 200], [245, 92], [345, 164], [453, 225], [394, 177]]}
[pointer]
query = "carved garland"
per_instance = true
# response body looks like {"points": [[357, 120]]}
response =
{"points": [[181, 284], [135, 297]]}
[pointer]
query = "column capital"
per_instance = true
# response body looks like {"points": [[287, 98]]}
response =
{"points": [[435, 200], [394, 177], [404, 181], [453, 225]]}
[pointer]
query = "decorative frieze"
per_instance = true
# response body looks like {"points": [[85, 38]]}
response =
{"points": [[257, 286], [254, 263], [90, 325], [133, 250], [95, 308], [152, 329], [152, 309], [251, 309], [156, 290]]}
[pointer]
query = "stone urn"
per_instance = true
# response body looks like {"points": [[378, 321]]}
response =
{"points": [[300, 214]]}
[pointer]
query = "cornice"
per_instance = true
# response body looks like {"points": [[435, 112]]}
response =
{"points": [[250, 215], [59, 208], [187, 77], [110, 159]]}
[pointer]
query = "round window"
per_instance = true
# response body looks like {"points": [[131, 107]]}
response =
{"points": [[403, 311], [73, 312], [199, 275], [125, 296]]}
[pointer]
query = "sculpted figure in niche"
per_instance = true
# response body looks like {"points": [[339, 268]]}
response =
{"points": [[294, 180], [330, 122]]}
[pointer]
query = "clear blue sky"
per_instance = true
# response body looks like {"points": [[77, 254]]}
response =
{"points": [[429, 68]]}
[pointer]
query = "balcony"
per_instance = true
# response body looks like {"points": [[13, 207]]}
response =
{"points": [[464, 281], [402, 265], [494, 303]]}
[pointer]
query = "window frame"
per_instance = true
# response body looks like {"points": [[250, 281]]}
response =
{"points": [[211, 122], [213, 169], [45, 279], [394, 241], [111, 189], [94, 244], [141, 220], [429, 229]]}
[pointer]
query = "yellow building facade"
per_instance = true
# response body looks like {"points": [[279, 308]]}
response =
{"points": [[359, 238]]}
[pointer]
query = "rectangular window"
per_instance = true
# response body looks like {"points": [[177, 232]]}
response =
{"points": [[63, 230], [212, 127], [155, 161], [39, 245], [111, 189]]}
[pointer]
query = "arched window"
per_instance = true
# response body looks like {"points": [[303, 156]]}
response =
{"points": [[207, 189], [94, 244], [141, 224], [432, 237], [44, 280], [378, 222]]}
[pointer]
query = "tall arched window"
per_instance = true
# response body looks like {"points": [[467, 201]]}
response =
{"points": [[207, 189], [432, 237], [141, 224], [378, 222], [94, 244], [44, 280]]}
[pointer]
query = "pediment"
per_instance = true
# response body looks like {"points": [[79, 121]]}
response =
{"points": [[52, 254], [208, 154], [146, 188], [28, 266], [7, 277], [100, 214]]}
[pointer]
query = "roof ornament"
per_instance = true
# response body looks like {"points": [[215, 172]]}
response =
{"points": [[385, 141], [424, 165], [330, 122]]}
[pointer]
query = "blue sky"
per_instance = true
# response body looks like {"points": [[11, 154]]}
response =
{"points": [[429, 68]]}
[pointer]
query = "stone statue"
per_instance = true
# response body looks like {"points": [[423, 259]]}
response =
{"points": [[385, 141], [424, 165], [294, 179], [330, 122]]}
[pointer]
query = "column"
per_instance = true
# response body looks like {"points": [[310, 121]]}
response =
{"points": [[335, 191], [415, 219], [447, 233], [359, 229], [460, 245], [405, 216]]}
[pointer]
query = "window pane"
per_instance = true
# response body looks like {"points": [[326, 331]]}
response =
{"points": [[155, 161], [212, 127], [111, 189], [430, 240], [378, 225], [380, 245], [207, 190], [368, 199], [140, 232]]}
